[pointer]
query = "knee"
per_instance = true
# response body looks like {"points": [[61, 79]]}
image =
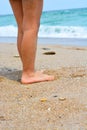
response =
{"points": [[20, 29], [33, 28]]}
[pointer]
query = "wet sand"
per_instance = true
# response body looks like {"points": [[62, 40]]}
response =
{"points": [[56, 105]]}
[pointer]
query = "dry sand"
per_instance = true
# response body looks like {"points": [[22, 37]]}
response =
{"points": [[56, 105]]}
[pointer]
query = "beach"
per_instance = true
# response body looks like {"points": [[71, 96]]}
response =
{"points": [[55, 105]]}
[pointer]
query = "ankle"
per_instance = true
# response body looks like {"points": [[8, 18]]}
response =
{"points": [[27, 73]]}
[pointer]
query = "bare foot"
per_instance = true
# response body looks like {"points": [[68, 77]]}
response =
{"points": [[36, 77]]}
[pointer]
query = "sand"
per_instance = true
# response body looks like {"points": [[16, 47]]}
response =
{"points": [[55, 105]]}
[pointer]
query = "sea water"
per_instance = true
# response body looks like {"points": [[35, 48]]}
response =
{"points": [[67, 26]]}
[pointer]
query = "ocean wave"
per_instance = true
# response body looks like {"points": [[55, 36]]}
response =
{"points": [[63, 31], [8, 31], [49, 31]]}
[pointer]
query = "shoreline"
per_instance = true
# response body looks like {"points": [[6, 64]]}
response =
{"points": [[56, 41]]}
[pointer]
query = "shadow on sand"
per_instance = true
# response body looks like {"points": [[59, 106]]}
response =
{"points": [[11, 74]]}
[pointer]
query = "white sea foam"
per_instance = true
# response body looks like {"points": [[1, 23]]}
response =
{"points": [[49, 31], [8, 31], [63, 31]]}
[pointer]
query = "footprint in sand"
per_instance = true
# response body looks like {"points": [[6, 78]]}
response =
{"points": [[1, 79], [77, 48], [68, 72], [16, 56], [46, 48], [49, 53]]}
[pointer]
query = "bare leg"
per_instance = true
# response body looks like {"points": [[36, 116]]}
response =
{"points": [[18, 12], [32, 10], [27, 14]]}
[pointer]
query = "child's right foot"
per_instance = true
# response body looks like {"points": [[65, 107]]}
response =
{"points": [[35, 77]]}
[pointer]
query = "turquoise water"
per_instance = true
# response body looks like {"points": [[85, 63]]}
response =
{"points": [[69, 23], [69, 17]]}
